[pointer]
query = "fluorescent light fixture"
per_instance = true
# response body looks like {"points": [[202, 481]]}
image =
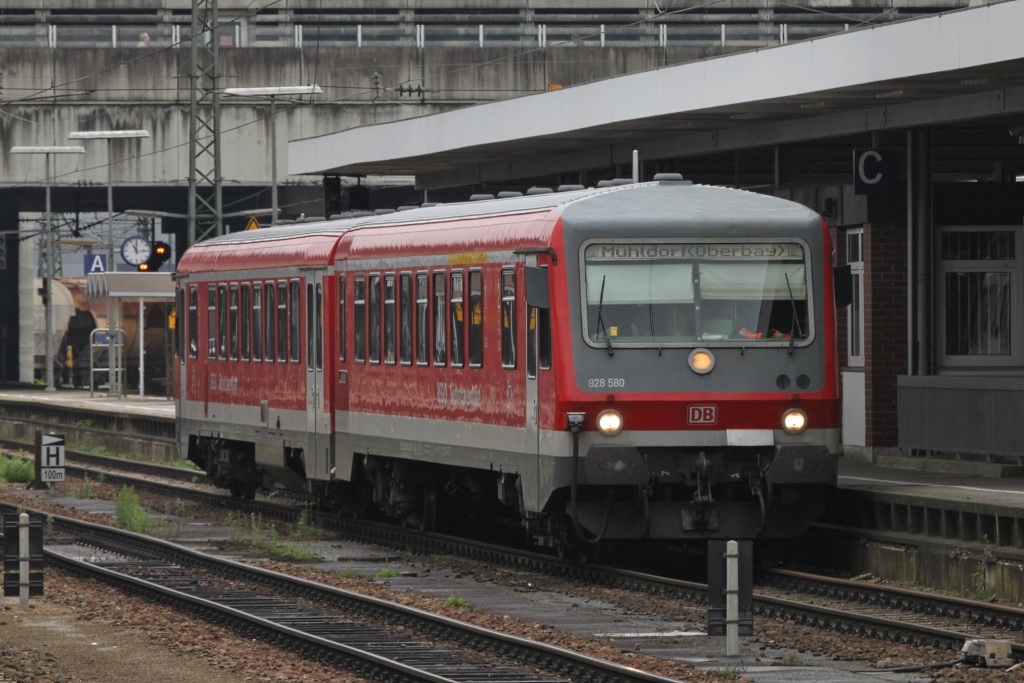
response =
{"points": [[274, 91]]}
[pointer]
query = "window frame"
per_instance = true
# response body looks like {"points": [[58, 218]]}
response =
{"points": [[439, 318], [193, 322], [855, 311], [257, 322], [422, 345], [295, 320], [1012, 267], [270, 321], [389, 320]]}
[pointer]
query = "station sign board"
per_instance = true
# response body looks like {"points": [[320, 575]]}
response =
{"points": [[49, 457]]}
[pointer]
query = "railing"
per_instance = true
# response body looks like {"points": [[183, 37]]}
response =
{"points": [[759, 33]]}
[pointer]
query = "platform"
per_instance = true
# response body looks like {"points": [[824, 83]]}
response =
{"points": [[77, 399]]}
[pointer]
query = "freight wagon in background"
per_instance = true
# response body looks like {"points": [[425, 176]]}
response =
{"points": [[640, 362]]}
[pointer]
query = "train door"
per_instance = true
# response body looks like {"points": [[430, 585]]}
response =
{"points": [[536, 290], [318, 422]]}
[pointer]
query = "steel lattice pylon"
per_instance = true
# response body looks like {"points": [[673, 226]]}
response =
{"points": [[205, 205]]}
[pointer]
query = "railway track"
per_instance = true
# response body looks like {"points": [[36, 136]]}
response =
{"points": [[373, 637], [865, 609]]}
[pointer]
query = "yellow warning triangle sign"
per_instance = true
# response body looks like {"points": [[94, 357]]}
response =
{"points": [[253, 224]]}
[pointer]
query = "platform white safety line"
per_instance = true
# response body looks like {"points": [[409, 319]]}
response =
{"points": [[979, 489]]}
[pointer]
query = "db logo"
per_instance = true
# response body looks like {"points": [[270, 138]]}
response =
{"points": [[702, 415]]}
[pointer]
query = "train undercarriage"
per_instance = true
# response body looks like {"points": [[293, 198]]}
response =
{"points": [[716, 496]]}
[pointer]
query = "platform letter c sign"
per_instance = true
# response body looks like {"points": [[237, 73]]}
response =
{"points": [[875, 171]]}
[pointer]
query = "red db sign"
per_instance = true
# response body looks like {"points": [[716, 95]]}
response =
{"points": [[702, 415]]}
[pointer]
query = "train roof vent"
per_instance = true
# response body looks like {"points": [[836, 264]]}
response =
{"points": [[505, 194], [604, 183], [539, 190], [286, 221], [668, 178], [312, 219], [569, 188], [381, 212], [480, 197], [408, 207], [621, 181], [360, 213], [336, 216], [427, 205]]}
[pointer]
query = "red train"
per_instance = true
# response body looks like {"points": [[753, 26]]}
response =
{"points": [[642, 361]]}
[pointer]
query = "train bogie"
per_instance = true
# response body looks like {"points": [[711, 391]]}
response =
{"points": [[654, 361]]}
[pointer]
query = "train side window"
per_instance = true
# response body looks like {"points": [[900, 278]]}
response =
{"points": [[310, 334], [257, 321], [476, 318], [222, 322], [458, 321], [319, 323], [245, 304], [544, 337], [389, 318], [193, 322], [440, 319], [531, 341], [359, 324], [233, 322], [179, 330], [211, 321], [296, 322], [405, 319], [508, 318], [341, 317], [282, 321], [374, 335], [270, 308], [422, 319]]}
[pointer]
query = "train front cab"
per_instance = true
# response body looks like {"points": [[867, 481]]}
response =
{"points": [[703, 402]]}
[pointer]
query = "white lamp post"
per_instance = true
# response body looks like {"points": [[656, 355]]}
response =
{"points": [[114, 388], [50, 248], [273, 92]]}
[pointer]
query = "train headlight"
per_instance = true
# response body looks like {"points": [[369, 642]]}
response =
{"points": [[609, 422], [794, 420], [701, 361]]}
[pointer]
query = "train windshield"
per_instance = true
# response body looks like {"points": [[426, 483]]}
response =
{"points": [[660, 293]]}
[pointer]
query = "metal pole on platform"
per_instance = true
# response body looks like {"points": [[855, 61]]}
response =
{"points": [[142, 348], [51, 247], [110, 136], [273, 92]]}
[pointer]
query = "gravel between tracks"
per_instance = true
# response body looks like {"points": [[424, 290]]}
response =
{"points": [[69, 633]]}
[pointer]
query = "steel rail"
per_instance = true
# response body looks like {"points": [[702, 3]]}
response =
{"points": [[565, 664]]}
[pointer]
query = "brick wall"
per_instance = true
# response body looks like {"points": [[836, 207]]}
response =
{"points": [[885, 328]]}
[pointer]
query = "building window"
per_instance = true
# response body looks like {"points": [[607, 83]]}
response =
{"points": [[979, 282], [855, 320], [508, 318]]}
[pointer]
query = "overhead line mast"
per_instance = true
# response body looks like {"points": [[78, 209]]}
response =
{"points": [[205, 202]]}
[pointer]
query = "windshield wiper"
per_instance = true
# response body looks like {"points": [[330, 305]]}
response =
{"points": [[600, 320], [795, 327]]}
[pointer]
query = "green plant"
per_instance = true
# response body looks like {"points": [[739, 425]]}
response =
{"points": [[308, 527], [980, 573], [49, 527], [129, 512], [789, 659], [83, 424], [730, 671], [17, 470], [387, 573], [456, 601], [82, 490]]}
